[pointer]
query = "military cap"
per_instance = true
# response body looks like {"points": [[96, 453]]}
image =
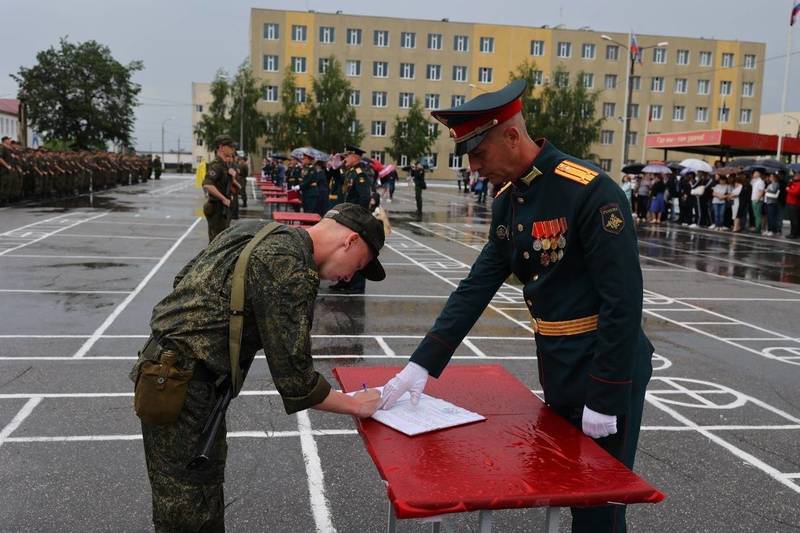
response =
{"points": [[223, 140], [368, 227], [470, 122], [350, 149]]}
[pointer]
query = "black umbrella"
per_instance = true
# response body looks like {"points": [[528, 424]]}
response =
{"points": [[758, 164], [635, 168], [795, 167]]}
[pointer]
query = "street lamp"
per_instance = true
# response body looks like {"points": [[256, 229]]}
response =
{"points": [[628, 92], [162, 138]]}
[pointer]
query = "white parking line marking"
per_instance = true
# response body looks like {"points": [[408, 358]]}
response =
{"points": [[18, 419], [64, 291], [320, 508], [46, 234], [103, 257]]}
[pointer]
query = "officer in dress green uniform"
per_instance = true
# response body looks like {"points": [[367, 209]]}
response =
{"points": [[217, 184], [565, 230], [357, 182], [309, 186]]}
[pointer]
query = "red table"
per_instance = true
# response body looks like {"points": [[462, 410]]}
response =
{"points": [[302, 219], [282, 200], [523, 455]]}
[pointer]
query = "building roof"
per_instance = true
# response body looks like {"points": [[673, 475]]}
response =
{"points": [[9, 106], [722, 143]]}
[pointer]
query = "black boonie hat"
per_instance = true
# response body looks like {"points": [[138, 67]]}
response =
{"points": [[368, 227], [470, 122], [223, 140], [350, 149]]}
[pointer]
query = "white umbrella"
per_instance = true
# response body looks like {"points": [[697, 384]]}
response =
{"points": [[656, 169], [696, 165]]}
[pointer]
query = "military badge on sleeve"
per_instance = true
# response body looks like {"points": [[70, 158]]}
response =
{"points": [[502, 232], [612, 218]]}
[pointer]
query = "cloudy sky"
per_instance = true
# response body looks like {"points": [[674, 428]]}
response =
{"points": [[181, 41]]}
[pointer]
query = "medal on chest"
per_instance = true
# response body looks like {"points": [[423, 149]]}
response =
{"points": [[549, 238]]}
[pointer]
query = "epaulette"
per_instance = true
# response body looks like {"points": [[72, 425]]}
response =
{"points": [[575, 172], [503, 189]]}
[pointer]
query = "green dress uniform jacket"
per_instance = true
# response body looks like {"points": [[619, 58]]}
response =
{"points": [[564, 229], [359, 187], [309, 188]]}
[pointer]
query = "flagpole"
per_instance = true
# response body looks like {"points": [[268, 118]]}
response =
{"points": [[625, 110], [646, 130], [785, 88]]}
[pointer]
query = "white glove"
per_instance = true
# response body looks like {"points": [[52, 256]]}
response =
{"points": [[295, 187], [412, 378], [598, 425]]}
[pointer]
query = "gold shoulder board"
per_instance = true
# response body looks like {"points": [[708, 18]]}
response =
{"points": [[575, 172]]}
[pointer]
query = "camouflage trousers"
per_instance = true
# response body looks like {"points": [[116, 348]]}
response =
{"points": [[186, 500]]}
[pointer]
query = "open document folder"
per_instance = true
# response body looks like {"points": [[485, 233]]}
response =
{"points": [[428, 415]]}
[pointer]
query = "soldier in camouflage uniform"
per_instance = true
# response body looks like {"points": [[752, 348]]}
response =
{"points": [[281, 284]]}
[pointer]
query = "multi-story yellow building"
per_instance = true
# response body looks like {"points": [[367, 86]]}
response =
{"points": [[687, 84]]}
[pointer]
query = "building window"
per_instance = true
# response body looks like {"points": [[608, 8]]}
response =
{"points": [[657, 84], [431, 101], [324, 62], [271, 63], [457, 99], [564, 49], [355, 97], [380, 69], [353, 127], [353, 67], [588, 51], [433, 72], [703, 87], [609, 109], [636, 83], [461, 43], [487, 45], [633, 110], [299, 33], [433, 129], [378, 98], [432, 160], [271, 31], [723, 114], [537, 48], [659, 56], [459, 73], [453, 160], [701, 114], [271, 93], [327, 35], [199, 141], [198, 108], [407, 71], [745, 116], [749, 61], [538, 77], [353, 36], [378, 128], [607, 137], [408, 39], [605, 164], [403, 160], [380, 38], [562, 79], [678, 113], [611, 81], [406, 100], [434, 41], [727, 60], [299, 65], [706, 59], [485, 74], [300, 95], [725, 88], [588, 80], [633, 137], [378, 155], [748, 89], [612, 52], [683, 57], [681, 85], [656, 111]]}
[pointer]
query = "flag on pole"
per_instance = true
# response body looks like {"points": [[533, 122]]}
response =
{"points": [[795, 12], [636, 52]]}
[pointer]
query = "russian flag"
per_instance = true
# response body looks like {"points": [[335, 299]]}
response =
{"points": [[636, 52], [795, 12]]}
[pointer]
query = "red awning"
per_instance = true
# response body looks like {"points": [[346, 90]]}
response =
{"points": [[722, 143]]}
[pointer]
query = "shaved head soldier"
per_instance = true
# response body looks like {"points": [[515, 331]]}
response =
{"points": [[564, 228]]}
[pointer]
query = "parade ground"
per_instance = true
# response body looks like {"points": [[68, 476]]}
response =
{"points": [[81, 276]]}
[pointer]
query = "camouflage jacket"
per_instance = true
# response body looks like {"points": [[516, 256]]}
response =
{"points": [[280, 289]]}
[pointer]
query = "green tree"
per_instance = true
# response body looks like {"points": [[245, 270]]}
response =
{"points": [[286, 129], [564, 112], [331, 120], [411, 136], [216, 121], [246, 122], [80, 94]]}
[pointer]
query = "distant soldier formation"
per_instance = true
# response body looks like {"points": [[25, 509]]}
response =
{"points": [[38, 173]]}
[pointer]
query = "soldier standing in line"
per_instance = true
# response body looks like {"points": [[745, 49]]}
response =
{"points": [[309, 186], [217, 184], [418, 176], [157, 167], [565, 229]]}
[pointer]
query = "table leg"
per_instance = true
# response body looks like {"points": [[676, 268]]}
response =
{"points": [[391, 526], [485, 521], [552, 517]]}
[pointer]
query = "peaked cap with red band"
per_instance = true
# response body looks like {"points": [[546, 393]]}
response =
{"points": [[470, 122]]}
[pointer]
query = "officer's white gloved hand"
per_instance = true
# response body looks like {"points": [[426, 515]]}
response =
{"points": [[295, 187], [598, 425], [412, 379]]}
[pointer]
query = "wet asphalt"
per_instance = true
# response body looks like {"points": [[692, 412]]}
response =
{"points": [[79, 277]]}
